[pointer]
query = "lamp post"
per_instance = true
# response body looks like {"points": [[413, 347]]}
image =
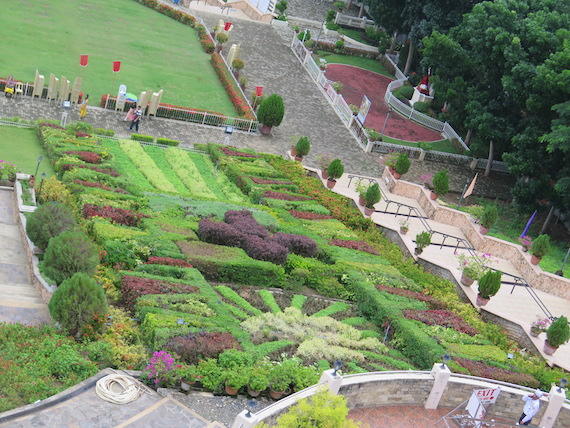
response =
{"points": [[40, 159], [319, 35], [41, 185], [337, 366], [445, 359], [385, 122], [561, 271], [563, 383]]}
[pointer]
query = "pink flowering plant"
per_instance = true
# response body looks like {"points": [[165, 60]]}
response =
{"points": [[7, 170], [161, 371], [475, 266], [540, 325], [525, 241]]}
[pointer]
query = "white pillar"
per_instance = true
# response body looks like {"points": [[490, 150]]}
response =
{"points": [[441, 377], [369, 146], [242, 421], [473, 164], [333, 382], [422, 155], [555, 401]]}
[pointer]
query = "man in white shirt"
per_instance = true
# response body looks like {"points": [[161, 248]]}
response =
{"points": [[531, 407]]}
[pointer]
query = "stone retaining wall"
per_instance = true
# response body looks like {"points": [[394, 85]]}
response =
{"points": [[534, 275]]}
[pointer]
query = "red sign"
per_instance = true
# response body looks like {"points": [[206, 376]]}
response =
{"points": [[259, 91], [487, 396], [227, 26], [116, 66], [83, 60]]}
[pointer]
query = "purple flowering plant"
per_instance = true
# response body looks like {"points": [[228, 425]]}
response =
{"points": [[475, 266], [161, 370], [7, 169], [525, 241]]}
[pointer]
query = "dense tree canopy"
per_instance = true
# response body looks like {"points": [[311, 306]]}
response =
{"points": [[504, 70]]}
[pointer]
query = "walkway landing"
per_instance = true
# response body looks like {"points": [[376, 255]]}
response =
{"points": [[20, 302]]}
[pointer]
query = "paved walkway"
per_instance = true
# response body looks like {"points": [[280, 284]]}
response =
{"points": [[19, 299]]}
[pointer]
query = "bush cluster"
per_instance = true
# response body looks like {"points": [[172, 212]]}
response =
{"points": [[230, 152], [167, 142], [431, 301], [258, 180], [99, 186], [135, 286], [153, 260], [48, 221], [310, 216], [244, 221], [284, 196], [194, 347], [298, 244], [441, 317], [354, 245], [108, 171], [480, 369], [89, 157], [140, 137]]}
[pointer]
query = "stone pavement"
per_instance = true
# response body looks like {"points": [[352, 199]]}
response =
{"points": [[19, 299]]}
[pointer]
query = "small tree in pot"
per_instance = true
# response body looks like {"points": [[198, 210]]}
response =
{"points": [[271, 112], [335, 171], [423, 239], [489, 285], [488, 218], [540, 247], [557, 334], [373, 196], [361, 188], [440, 183], [303, 147], [221, 38], [402, 165]]}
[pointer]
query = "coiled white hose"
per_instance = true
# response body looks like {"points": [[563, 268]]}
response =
{"points": [[131, 388]]}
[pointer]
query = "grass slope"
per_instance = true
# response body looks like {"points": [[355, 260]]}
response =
{"points": [[21, 147]]}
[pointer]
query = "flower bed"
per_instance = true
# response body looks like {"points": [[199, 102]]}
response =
{"points": [[284, 196], [168, 261], [99, 186], [108, 171], [135, 286], [444, 318], [88, 157], [116, 215], [236, 97], [354, 245], [433, 302], [230, 152], [310, 216]]}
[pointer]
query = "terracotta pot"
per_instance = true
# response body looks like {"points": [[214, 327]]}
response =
{"points": [[185, 386], [298, 158], [331, 183], [483, 230], [535, 260], [265, 129], [397, 176], [433, 196], [465, 280], [32, 181], [361, 201], [324, 174], [252, 392], [403, 231], [368, 211], [418, 251], [392, 170], [293, 151], [277, 395], [549, 349], [231, 391], [481, 301]]}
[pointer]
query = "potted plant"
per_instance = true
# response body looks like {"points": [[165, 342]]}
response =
{"points": [[440, 184], [302, 148], [271, 112], [391, 157], [373, 196], [235, 380], [404, 227], [488, 218], [489, 285], [279, 381], [361, 189], [354, 109], [258, 380], [221, 38], [557, 334], [526, 242], [540, 247], [423, 239], [187, 375], [237, 65], [539, 326], [473, 267], [402, 165], [323, 162], [335, 171]]}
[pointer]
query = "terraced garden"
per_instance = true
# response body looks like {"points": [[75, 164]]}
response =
{"points": [[237, 263]]}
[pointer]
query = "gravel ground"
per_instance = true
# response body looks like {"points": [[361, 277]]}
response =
{"points": [[222, 409]]}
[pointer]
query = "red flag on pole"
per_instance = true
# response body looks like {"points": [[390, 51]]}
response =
{"points": [[83, 60], [227, 26], [259, 90], [116, 66]]}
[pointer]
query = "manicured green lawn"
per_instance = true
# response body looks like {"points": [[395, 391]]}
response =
{"points": [[438, 146], [357, 61], [156, 52], [22, 147]]}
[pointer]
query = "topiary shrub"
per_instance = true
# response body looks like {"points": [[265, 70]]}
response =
{"points": [[402, 164], [405, 92], [441, 182], [540, 246], [48, 221], [140, 137], [489, 216], [373, 195], [68, 253], [167, 142], [304, 35], [54, 190], [335, 169], [76, 302], [558, 333], [489, 284], [303, 146], [299, 244], [271, 111], [421, 106]]}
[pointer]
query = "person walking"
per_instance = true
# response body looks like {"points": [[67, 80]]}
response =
{"points": [[531, 407], [83, 108], [130, 113], [136, 119]]}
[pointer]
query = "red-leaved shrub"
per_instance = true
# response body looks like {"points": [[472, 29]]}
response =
{"points": [[284, 196], [258, 180], [243, 221], [480, 369], [432, 301], [134, 287], [108, 171], [299, 244], [194, 347], [116, 215], [443, 318], [220, 233], [269, 251], [85, 156], [354, 245], [99, 186], [310, 216], [230, 152]]}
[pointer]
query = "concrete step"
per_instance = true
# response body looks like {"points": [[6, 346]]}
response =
{"points": [[19, 293]]}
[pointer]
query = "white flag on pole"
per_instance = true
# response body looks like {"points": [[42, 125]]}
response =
{"points": [[469, 190]]}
